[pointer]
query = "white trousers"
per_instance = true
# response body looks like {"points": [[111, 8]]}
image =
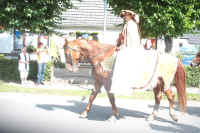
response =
{"points": [[23, 74]]}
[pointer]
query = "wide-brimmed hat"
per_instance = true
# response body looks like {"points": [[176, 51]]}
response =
{"points": [[127, 12]]}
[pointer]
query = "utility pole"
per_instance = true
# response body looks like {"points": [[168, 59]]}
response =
{"points": [[105, 19]]}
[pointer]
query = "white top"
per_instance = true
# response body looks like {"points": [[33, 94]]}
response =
{"points": [[42, 55], [133, 38], [23, 63]]}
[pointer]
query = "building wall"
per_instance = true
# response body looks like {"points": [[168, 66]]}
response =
{"points": [[109, 37], [6, 42]]}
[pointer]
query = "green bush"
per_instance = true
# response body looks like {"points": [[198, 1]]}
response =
{"points": [[1, 56], [180, 56], [192, 76], [47, 74], [58, 64], [9, 70], [31, 49], [32, 70]]}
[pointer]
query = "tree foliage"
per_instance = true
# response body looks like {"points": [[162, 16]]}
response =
{"points": [[169, 18], [37, 16]]}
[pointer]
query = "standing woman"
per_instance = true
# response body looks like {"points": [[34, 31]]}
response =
{"points": [[129, 51], [42, 60], [23, 65]]}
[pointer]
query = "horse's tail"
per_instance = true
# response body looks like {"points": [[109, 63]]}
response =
{"points": [[180, 83]]}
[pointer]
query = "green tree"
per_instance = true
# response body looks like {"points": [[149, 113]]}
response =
{"points": [[37, 16], [158, 18]]}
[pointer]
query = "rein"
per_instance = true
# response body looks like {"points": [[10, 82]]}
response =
{"points": [[68, 60]]}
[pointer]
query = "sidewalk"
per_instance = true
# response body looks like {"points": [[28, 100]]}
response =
{"points": [[62, 84], [56, 84]]}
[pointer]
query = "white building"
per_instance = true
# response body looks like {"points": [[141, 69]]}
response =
{"points": [[93, 16]]}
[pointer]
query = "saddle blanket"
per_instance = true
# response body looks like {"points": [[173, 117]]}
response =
{"points": [[139, 69]]}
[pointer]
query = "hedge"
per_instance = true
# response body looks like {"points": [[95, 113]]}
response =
{"points": [[9, 70], [192, 76]]}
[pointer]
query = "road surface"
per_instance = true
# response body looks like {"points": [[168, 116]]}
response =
{"points": [[27, 113]]}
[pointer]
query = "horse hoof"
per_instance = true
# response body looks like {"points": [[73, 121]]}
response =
{"points": [[174, 117], [83, 115], [113, 118], [150, 117], [116, 116]]}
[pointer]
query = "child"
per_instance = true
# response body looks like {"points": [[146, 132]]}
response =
{"points": [[23, 65]]}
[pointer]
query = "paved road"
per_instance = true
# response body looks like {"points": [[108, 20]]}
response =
{"points": [[26, 113]]}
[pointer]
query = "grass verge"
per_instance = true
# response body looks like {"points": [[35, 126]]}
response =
{"points": [[5, 87]]}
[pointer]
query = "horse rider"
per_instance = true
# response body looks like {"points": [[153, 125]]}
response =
{"points": [[128, 49]]}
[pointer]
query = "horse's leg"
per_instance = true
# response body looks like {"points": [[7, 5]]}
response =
{"points": [[180, 79], [158, 96], [112, 101], [93, 95], [107, 85], [170, 97]]}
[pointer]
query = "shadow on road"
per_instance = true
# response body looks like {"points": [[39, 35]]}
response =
{"points": [[103, 113], [191, 110], [98, 113]]}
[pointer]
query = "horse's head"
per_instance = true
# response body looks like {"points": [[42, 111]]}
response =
{"points": [[72, 54], [91, 50], [196, 60]]}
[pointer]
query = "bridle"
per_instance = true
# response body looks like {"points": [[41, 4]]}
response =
{"points": [[68, 57]]}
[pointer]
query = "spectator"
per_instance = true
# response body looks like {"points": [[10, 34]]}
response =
{"points": [[42, 60], [23, 65]]}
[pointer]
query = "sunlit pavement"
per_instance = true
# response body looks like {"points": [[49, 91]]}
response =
{"points": [[27, 113]]}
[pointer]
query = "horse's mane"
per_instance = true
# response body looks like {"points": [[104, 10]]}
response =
{"points": [[95, 49], [94, 43]]}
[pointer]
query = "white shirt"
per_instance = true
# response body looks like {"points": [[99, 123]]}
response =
{"points": [[22, 66], [133, 38], [42, 55]]}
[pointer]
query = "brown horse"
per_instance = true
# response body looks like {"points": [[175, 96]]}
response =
{"points": [[196, 60], [95, 53]]}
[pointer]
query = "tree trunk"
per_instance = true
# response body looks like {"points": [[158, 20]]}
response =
{"points": [[156, 43], [168, 44]]}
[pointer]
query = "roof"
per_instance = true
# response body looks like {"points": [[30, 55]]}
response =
{"points": [[89, 13], [192, 38]]}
